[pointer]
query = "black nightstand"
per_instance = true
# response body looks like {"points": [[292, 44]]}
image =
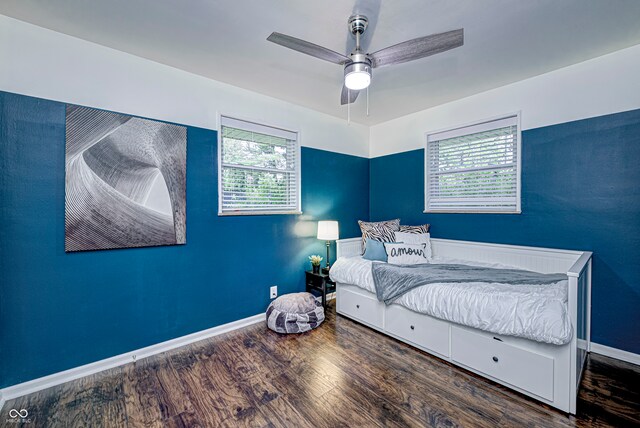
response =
{"points": [[320, 282]]}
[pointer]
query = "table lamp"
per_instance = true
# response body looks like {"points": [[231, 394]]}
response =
{"points": [[327, 231]]}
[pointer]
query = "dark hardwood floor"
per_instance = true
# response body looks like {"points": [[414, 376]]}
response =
{"points": [[342, 374]]}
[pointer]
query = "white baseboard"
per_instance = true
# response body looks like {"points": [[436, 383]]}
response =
{"points": [[15, 391], [618, 354]]}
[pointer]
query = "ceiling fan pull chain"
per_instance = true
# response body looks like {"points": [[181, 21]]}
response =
{"points": [[367, 101], [348, 107]]}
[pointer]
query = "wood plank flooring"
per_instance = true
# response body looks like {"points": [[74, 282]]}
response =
{"points": [[342, 374]]}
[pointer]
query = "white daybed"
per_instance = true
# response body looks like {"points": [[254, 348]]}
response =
{"points": [[549, 373]]}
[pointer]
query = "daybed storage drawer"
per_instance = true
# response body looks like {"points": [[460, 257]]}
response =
{"points": [[519, 367], [420, 329], [364, 308]]}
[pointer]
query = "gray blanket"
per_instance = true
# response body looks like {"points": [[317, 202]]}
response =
{"points": [[392, 281]]}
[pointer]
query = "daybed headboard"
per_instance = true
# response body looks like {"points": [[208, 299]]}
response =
{"points": [[349, 247]]}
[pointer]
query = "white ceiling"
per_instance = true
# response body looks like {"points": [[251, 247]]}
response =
{"points": [[505, 41]]}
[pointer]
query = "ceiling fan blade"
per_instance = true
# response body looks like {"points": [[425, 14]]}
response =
{"points": [[307, 48], [348, 96], [418, 48]]}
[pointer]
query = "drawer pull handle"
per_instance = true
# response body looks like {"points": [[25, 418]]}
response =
{"points": [[413, 328], [495, 359], [357, 306]]}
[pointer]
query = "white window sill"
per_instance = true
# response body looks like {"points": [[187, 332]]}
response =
{"points": [[243, 213], [469, 212]]}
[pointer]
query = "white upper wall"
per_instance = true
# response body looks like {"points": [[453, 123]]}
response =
{"points": [[603, 85], [42, 63]]}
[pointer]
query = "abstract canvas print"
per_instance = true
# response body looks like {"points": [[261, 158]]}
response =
{"points": [[125, 181]]}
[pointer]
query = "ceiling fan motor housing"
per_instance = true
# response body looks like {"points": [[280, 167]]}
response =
{"points": [[357, 24]]}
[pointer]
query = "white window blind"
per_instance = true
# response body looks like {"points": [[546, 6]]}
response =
{"points": [[474, 168], [259, 169]]}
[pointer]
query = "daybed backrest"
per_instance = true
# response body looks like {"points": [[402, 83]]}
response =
{"points": [[543, 260]]}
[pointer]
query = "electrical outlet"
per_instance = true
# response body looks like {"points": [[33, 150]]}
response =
{"points": [[274, 292]]}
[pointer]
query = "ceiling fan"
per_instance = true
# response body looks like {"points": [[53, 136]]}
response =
{"points": [[358, 65]]}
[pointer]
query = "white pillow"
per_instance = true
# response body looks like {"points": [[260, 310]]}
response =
{"points": [[415, 238], [406, 254]]}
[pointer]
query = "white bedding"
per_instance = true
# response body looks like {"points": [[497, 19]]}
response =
{"points": [[535, 312]]}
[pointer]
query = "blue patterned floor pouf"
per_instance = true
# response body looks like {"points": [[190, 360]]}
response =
{"points": [[294, 313]]}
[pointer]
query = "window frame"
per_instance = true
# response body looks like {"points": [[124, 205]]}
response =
{"points": [[298, 181], [518, 208]]}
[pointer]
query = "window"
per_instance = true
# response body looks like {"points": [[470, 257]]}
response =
{"points": [[474, 168], [259, 169]]}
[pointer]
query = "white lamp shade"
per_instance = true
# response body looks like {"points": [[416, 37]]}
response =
{"points": [[328, 230]]}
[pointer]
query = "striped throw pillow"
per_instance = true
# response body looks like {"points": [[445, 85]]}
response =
{"points": [[423, 228], [383, 231]]}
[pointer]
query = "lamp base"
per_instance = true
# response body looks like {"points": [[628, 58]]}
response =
{"points": [[325, 270]]}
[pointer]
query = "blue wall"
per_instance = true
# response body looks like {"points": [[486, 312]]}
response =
{"points": [[59, 311], [580, 190], [580, 186]]}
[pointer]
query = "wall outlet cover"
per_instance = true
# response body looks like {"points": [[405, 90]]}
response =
{"points": [[273, 292]]}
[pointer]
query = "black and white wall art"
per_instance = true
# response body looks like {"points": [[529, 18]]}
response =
{"points": [[125, 181]]}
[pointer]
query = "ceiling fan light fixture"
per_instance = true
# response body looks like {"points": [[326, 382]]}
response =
{"points": [[357, 76]]}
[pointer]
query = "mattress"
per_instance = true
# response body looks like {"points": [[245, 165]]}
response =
{"points": [[534, 312]]}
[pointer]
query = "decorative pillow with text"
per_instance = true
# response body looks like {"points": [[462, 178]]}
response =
{"points": [[406, 254], [415, 238]]}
